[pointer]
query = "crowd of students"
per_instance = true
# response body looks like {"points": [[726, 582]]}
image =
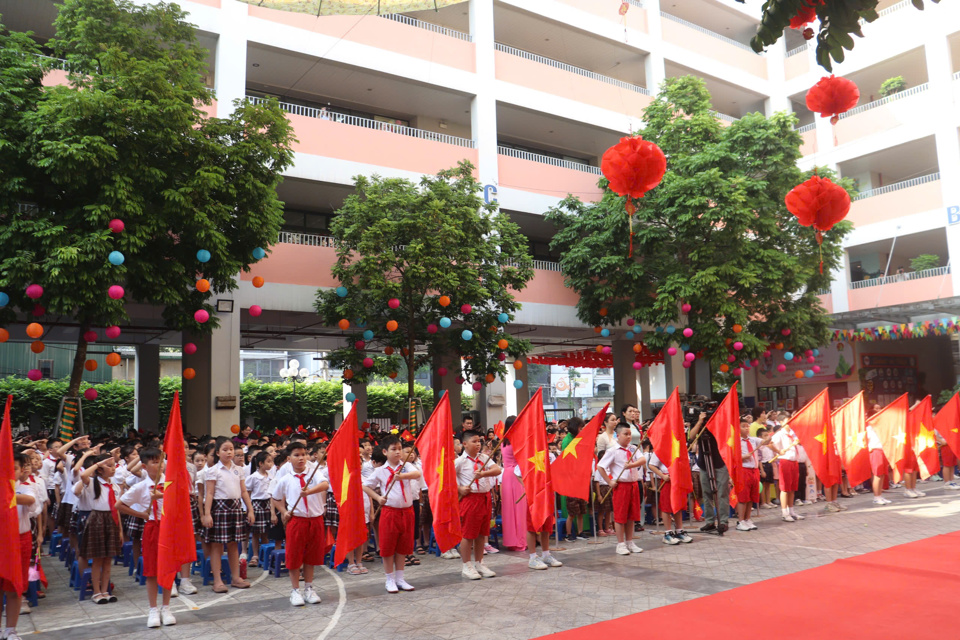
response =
{"points": [[252, 489]]}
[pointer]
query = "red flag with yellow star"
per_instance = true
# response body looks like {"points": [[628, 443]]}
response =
{"points": [[724, 424], [813, 428], [435, 445], [9, 520], [176, 545], [920, 438], [850, 432], [528, 434], [572, 469], [343, 466], [890, 423], [947, 422], [669, 442]]}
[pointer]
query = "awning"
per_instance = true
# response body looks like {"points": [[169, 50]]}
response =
{"points": [[352, 7], [594, 359]]}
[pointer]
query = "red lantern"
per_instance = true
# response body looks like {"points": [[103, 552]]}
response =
{"points": [[624, 7], [633, 166], [820, 203], [832, 96], [806, 15]]}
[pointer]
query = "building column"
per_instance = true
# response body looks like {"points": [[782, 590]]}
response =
{"points": [[492, 403], [521, 395], [778, 100], [624, 375], [643, 380], [483, 107], [146, 407], [217, 367], [449, 384], [359, 389], [674, 372], [654, 65], [231, 57]]}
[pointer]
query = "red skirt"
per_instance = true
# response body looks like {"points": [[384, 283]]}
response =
{"points": [[910, 461], [626, 502], [26, 544], [306, 542], [666, 504], [396, 531], [878, 463], [150, 542], [751, 486], [546, 528], [789, 475], [948, 456], [475, 513]]}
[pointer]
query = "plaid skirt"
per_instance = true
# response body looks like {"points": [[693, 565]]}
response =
{"points": [[195, 512], [261, 511], [229, 523], [64, 512], [76, 522], [133, 527], [331, 515], [100, 537]]}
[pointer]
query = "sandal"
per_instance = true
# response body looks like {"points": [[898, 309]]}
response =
{"points": [[353, 570], [408, 561], [414, 560], [98, 599], [253, 562], [220, 588], [367, 556], [421, 551], [240, 584], [363, 569]]}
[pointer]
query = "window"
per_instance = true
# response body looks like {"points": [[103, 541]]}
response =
{"points": [[46, 368], [603, 390]]}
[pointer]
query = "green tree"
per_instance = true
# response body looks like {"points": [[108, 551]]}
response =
{"points": [[715, 234], [415, 243], [925, 261], [125, 138]]}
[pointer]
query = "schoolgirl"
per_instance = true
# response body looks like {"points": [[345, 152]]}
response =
{"points": [[223, 515], [98, 523], [258, 486]]}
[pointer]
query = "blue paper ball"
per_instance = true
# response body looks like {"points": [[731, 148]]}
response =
{"points": [[503, 318], [605, 332], [351, 397], [808, 373], [445, 323], [816, 352], [258, 254], [467, 334], [203, 255], [518, 384], [4, 299], [628, 335], [342, 292], [116, 258], [685, 347], [360, 323], [788, 355], [659, 329], [368, 335], [671, 329]]}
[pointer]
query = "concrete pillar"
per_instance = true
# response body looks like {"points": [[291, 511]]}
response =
{"points": [[449, 384], [776, 72], [521, 395], [359, 389], [492, 403], [217, 367], [676, 375], [146, 408], [231, 60], [643, 380], [700, 372], [653, 64], [624, 375], [483, 108]]}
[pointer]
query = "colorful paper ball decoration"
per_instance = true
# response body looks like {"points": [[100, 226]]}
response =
{"points": [[441, 371], [113, 359], [737, 346], [816, 368], [112, 332], [465, 309], [90, 336], [832, 96], [4, 299], [467, 334], [737, 371], [629, 335], [671, 329], [690, 357], [189, 374], [203, 256], [819, 203], [255, 310], [808, 373], [235, 428], [731, 358], [258, 282], [341, 292], [688, 332], [116, 258], [201, 315], [347, 374], [502, 318], [605, 351], [203, 285], [518, 364], [767, 353], [631, 322], [518, 384], [115, 292], [445, 323], [672, 351], [392, 325], [90, 365], [637, 365], [798, 374], [37, 346], [393, 303], [34, 374], [368, 362], [34, 291], [811, 360], [737, 328], [633, 166], [116, 225], [432, 328], [785, 332], [90, 394], [388, 350], [816, 352], [350, 397], [190, 348], [490, 378], [781, 367], [788, 355], [755, 362], [359, 344], [344, 324], [477, 386], [502, 343], [686, 308], [34, 330], [724, 368], [605, 332], [368, 335], [460, 379], [4, 335], [259, 253], [444, 301]]}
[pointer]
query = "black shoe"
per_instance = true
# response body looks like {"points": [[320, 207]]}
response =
{"points": [[710, 526], [571, 538], [723, 527]]}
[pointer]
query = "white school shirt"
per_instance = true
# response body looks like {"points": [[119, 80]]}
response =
{"points": [[422, 481], [25, 512], [68, 480], [40, 486], [192, 471], [597, 476], [366, 468], [750, 463], [467, 469], [615, 459], [139, 498], [88, 500], [258, 486], [783, 439], [802, 454], [288, 489], [605, 441], [287, 468], [401, 493], [654, 461], [873, 440], [766, 455], [47, 469], [228, 481]]}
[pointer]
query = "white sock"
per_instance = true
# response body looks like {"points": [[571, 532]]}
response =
{"points": [[533, 555], [308, 585], [398, 575], [152, 609], [390, 576], [786, 512], [792, 512]]}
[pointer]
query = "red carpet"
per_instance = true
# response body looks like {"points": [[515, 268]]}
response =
{"points": [[908, 591]]}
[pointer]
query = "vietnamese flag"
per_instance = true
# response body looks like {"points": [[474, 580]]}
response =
{"points": [[669, 442], [176, 545], [890, 423], [435, 445], [850, 433], [498, 430], [343, 466], [920, 438], [406, 436], [9, 519], [813, 429], [528, 434], [947, 422], [572, 469], [724, 424]]}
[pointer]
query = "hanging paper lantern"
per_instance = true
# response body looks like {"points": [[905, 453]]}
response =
{"points": [[116, 225], [690, 357], [767, 353], [737, 328], [806, 15], [201, 315], [344, 324], [785, 332], [798, 374], [755, 362], [518, 364], [189, 374], [820, 203], [257, 282], [460, 379], [190, 348], [392, 325], [671, 329], [832, 96], [637, 366], [203, 256], [34, 291], [638, 348], [624, 7], [432, 328], [672, 351], [4, 335], [633, 166], [368, 362], [350, 397], [466, 309], [115, 258], [490, 378], [388, 351], [467, 334], [781, 367], [359, 345], [34, 374], [90, 336], [808, 373], [259, 253], [501, 356], [605, 333], [255, 310], [816, 352], [441, 371], [724, 368], [502, 318], [629, 335], [37, 346], [788, 355], [90, 365], [4, 299], [113, 359], [518, 384], [115, 292], [605, 350], [342, 292], [477, 386], [90, 394], [502, 343], [393, 303], [112, 332], [392, 375], [348, 374], [688, 332], [737, 346], [203, 285], [445, 323], [816, 368], [444, 301], [737, 371], [38, 311]]}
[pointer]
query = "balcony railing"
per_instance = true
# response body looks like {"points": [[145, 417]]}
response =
{"points": [[897, 186], [807, 127], [713, 34], [420, 24], [894, 7], [323, 114], [543, 265], [536, 157], [724, 116], [798, 50], [572, 69], [901, 277], [823, 292], [920, 88], [308, 239]]}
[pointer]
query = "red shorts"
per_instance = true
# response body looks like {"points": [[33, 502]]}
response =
{"points": [[149, 543], [910, 461], [396, 531], [666, 504], [26, 546], [789, 475], [475, 514], [751, 486], [948, 456], [547, 526], [626, 502], [878, 463], [306, 542]]}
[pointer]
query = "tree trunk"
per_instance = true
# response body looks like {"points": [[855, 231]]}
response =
{"points": [[76, 374], [411, 357]]}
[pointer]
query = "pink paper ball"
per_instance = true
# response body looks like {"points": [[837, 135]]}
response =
{"points": [[34, 291], [785, 332], [737, 346], [637, 366], [432, 328], [90, 336], [115, 292], [631, 322], [737, 371], [767, 354], [461, 379], [477, 386], [501, 356], [90, 394], [686, 364], [686, 307], [442, 371], [190, 348], [38, 311], [465, 309], [672, 351], [688, 332], [731, 358], [808, 352], [113, 332], [255, 310], [359, 344], [368, 362], [201, 316], [755, 362], [811, 359], [393, 303], [781, 367], [690, 357], [816, 368], [116, 225], [34, 374]]}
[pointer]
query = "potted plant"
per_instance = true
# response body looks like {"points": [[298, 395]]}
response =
{"points": [[892, 85]]}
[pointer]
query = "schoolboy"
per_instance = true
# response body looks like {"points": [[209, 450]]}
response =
{"points": [[474, 482], [618, 468]]}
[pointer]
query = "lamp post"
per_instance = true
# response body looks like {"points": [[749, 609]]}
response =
{"points": [[295, 374]]}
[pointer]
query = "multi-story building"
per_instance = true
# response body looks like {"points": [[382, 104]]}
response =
{"points": [[532, 92]]}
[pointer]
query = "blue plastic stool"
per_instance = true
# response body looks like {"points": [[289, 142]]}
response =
{"points": [[224, 570], [68, 555], [85, 582], [75, 573], [433, 547], [277, 565], [55, 540], [138, 574], [32, 589], [266, 553], [197, 567], [127, 553]]}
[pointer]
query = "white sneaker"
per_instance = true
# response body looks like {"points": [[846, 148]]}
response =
{"points": [[392, 585], [489, 548], [743, 526], [919, 493], [447, 555], [12, 636], [186, 587], [633, 548], [296, 599], [753, 527], [831, 508], [484, 571], [550, 561], [840, 506], [879, 501], [174, 593], [153, 619], [685, 538], [403, 585], [622, 549], [470, 572], [953, 485], [669, 539], [788, 518], [909, 493], [310, 596], [885, 501], [799, 503], [167, 617], [537, 563], [797, 516]]}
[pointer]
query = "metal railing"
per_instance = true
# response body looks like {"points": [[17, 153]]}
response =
{"points": [[724, 116], [557, 162], [713, 34], [894, 7], [901, 277], [357, 121], [897, 186], [547, 265], [308, 239], [572, 69], [636, 3], [906, 93], [823, 292], [807, 127], [798, 50], [429, 26]]}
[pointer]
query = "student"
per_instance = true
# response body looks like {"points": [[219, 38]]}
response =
{"points": [[410, 455], [149, 491], [768, 484], [27, 507], [750, 491], [306, 533], [577, 508], [66, 516], [258, 486], [474, 482], [396, 515], [223, 515], [99, 533], [542, 535], [948, 462], [785, 444], [618, 468], [675, 534], [878, 465]]}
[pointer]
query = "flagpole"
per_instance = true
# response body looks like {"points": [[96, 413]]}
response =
{"points": [[593, 511]]}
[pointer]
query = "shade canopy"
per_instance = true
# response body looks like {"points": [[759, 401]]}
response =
{"points": [[352, 7]]}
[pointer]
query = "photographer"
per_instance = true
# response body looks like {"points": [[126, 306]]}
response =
{"points": [[715, 507]]}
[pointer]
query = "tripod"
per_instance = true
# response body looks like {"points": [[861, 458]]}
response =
{"points": [[715, 490]]}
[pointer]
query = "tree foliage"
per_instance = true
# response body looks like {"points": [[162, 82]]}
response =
{"points": [[415, 243], [126, 138], [715, 234]]}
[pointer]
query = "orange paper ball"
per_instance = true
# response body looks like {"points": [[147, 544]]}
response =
{"points": [[203, 285], [4, 335], [518, 364], [798, 374], [344, 324], [604, 312], [348, 374], [637, 348], [392, 325], [235, 428], [257, 282], [90, 365], [37, 346], [597, 329], [724, 368], [189, 374], [502, 344], [392, 375], [490, 378], [113, 359], [444, 301], [737, 328], [388, 351], [34, 330], [599, 348], [779, 345]]}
